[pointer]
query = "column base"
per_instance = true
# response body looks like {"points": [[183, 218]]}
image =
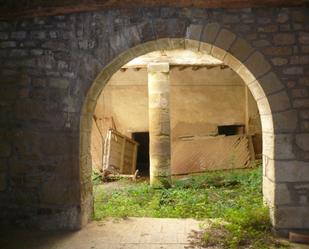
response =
{"points": [[161, 181]]}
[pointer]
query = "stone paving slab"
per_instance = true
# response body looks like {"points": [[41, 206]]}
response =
{"points": [[130, 233]]}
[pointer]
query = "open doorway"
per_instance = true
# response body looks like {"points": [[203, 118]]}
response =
{"points": [[212, 119], [142, 162]]}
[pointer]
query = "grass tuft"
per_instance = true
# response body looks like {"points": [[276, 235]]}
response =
{"points": [[232, 200]]}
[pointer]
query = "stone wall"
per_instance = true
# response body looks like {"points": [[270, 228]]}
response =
{"points": [[49, 63]]}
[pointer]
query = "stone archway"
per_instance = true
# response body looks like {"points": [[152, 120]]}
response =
{"points": [[277, 117]]}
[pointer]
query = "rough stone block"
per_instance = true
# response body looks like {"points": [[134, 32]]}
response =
{"points": [[57, 191], [279, 101], [280, 122], [118, 43], [304, 114], [299, 59], [18, 35], [164, 43], [146, 31], [293, 71], [18, 53], [276, 193], [282, 17], [285, 121], [304, 81], [268, 28], [278, 51], [40, 35], [232, 62], [224, 39], [300, 93], [210, 32], [218, 53], [36, 52], [241, 49], [287, 171], [171, 28], [246, 74], [144, 48], [256, 90], [268, 191], [8, 44], [301, 103], [278, 61], [177, 43], [132, 36], [261, 43], [302, 141], [205, 47], [4, 36], [230, 18], [263, 106], [267, 123], [3, 181], [279, 146], [284, 39], [59, 83], [5, 149], [305, 49], [193, 45], [257, 64], [290, 217], [304, 37], [194, 32]]}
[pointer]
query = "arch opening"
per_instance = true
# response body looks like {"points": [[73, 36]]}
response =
{"points": [[256, 86]]}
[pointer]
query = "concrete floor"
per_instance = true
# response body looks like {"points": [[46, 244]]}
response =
{"points": [[131, 233]]}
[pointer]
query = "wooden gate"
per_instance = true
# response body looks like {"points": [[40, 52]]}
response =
{"points": [[120, 154]]}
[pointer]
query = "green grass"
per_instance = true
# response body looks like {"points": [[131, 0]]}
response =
{"points": [[233, 199]]}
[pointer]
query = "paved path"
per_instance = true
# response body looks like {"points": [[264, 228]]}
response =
{"points": [[131, 233]]}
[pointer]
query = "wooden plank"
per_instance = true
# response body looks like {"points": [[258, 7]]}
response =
{"points": [[134, 157], [96, 148], [251, 148], [121, 153], [106, 156], [123, 147], [246, 110]]}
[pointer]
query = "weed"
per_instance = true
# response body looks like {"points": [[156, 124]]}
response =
{"points": [[231, 199]]}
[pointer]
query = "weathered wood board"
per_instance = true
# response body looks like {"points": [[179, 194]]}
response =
{"points": [[96, 147], [200, 154], [120, 153]]}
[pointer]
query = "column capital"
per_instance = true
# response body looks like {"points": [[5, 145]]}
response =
{"points": [[163, 67]]}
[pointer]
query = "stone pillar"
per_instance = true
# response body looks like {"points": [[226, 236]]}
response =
{"points": [[159, 124]]}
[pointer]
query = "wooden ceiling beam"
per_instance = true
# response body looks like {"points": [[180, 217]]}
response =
{"points": [[17, 8]]}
